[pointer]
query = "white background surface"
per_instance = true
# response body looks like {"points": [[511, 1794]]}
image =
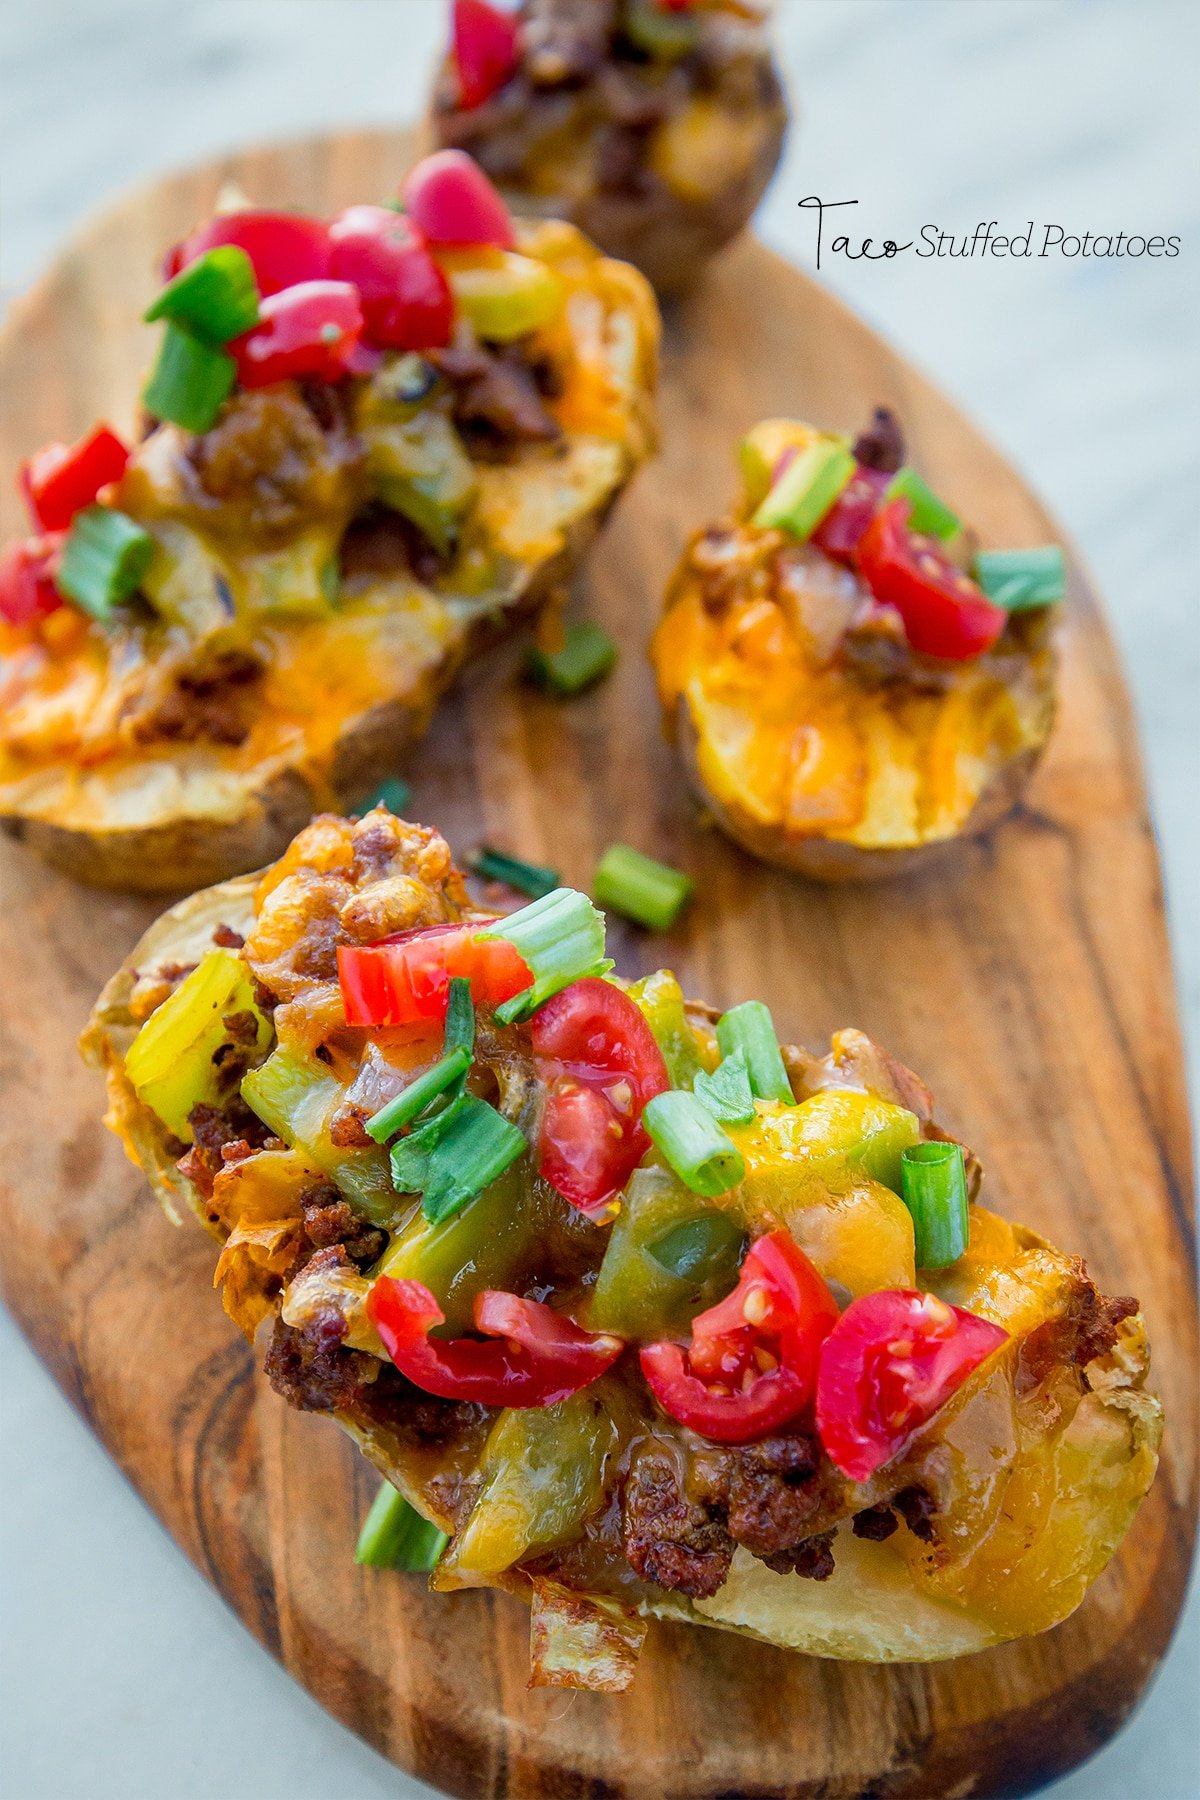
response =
{"points": [[123, 1675]]}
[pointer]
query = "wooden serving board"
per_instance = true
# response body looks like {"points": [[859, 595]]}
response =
{"points": [[1029, 981]]}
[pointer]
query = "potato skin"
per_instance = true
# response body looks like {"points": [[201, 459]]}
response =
{"points": [[831, 859]]}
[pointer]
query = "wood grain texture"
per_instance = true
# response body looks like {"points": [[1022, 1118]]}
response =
{"points": [[1029, 982]]}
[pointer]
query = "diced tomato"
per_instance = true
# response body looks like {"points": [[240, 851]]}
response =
{"points": [[485, 49], [407, 977], [451, 200], [406, 299], [536, 1356], [285, 248], [891, 1361], [945, 614], [839, 532], [27, 588], [304, 331], [752, 1362], [61, 479], [600, 1062]]}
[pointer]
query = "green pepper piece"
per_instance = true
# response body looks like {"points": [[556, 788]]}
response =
{"points": [[486, 1245], [660, 998], [669, 1256], [418, 466], [170, 1061], [296, 1098]]}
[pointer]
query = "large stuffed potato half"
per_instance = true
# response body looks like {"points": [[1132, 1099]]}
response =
{"points": [[854, 684], [371, 444], [639, 1312], [653, 125]]}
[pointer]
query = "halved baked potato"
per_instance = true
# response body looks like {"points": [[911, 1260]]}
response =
{"points": [[848, 699], [648, 1315], [653, 125], [257, 611]]}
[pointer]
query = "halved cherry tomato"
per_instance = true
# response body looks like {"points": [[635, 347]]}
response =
{"points": [[59, 480], [600, 1062], [536, 1357], [839, 532], [485, 49], [407, 977], [406, 299], [945, 614], [752, 1362], [304, 331], [890, 1362], [284, 248], [27, 588], [451, 200]]}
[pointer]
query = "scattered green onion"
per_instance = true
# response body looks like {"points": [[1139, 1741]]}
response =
{"points": [[190, 383], [807, 487], [933, 1186], [703, 1156], [587, 654], [561, 937], [455, 1155], [928, 514], [460, 1017], [392, 793], [1016, 579], [105, 557], [651, 893], [750, 1028], [727, 1092], [419, 1094], [526, 878], [701, 1249], [395, 1536], [215, 297]]}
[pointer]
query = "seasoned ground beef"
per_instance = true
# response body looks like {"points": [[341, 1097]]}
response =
{"points": [[669, 1539], [272, 465], [227, 938], [496, 392], [311, 1370], [765, 1490], [329, 1220], [812, 1558], [220, 1135], [881, 445], [912, 1505]]}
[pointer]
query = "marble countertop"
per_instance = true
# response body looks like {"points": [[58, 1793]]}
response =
{"points": [[123, 1674]]}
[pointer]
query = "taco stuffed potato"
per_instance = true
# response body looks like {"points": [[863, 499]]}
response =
{"points": [[372, 444], [640, 1313], [653, 125], [854, 685]]}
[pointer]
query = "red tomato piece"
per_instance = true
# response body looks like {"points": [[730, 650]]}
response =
{"points": [[601, 1064], [839, 532], [284, 248], [406, 299], [945, 614], [535, 1356], [485, 49], [61, 479], [451, 201], [27, 569], [891, 1361], [407, 977], [752, 1362], [304, 331]]}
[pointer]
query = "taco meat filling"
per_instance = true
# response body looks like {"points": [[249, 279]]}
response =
{"points": [[620, 1290]]}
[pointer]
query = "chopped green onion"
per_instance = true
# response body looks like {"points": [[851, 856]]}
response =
{"points": [[561, 937], [419, 1094], [105, 557], [392, 793], [190, 383], [749, 1027], [928, 514], [1016, 579], [455, 1155], [649, 892], [701, 1154], [587, 654], [526, 878], [727, 1092], [701, 1249], [460, 1017], [807, 487], [395, 1536], [215, 297], [933, 1186]]}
